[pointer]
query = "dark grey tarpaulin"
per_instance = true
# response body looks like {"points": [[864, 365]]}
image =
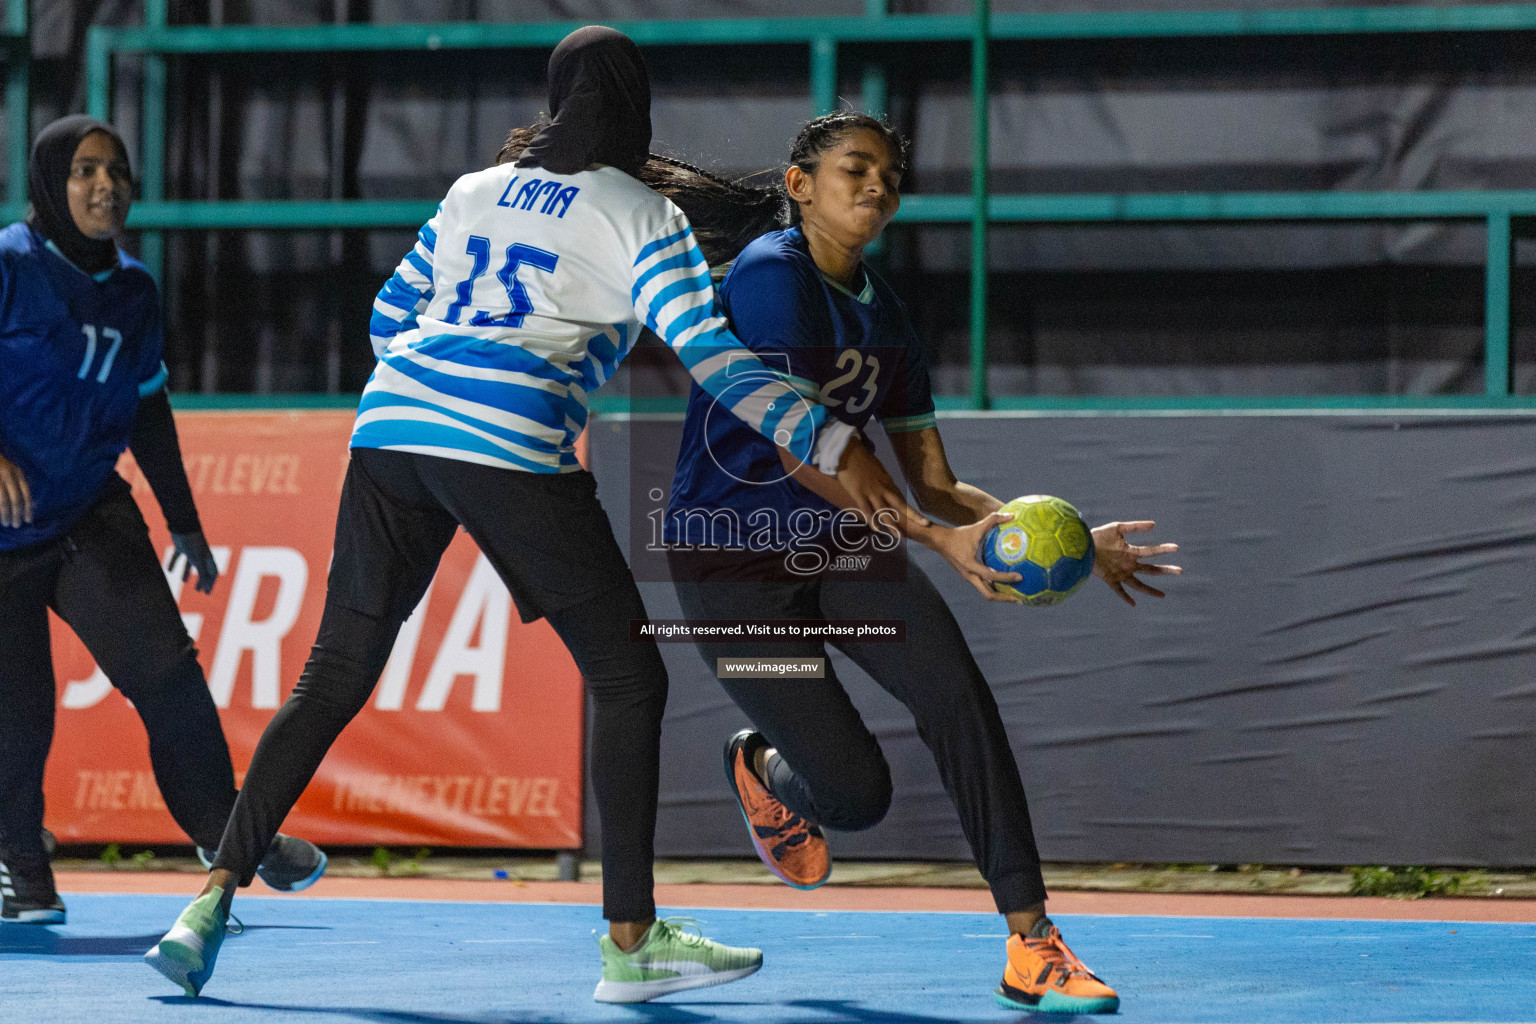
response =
{"points": [[1346, 673]]}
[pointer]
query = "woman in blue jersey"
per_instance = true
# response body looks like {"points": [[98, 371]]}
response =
{"points": [[520, 298], [81, 379], [803, 299]]}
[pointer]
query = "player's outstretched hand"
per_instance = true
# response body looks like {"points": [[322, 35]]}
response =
{"points": [[15, 496], [959, 545], [1117, 562], [192, 552], [872, 490]]}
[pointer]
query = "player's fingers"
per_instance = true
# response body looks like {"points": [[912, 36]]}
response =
{"points": [[909, 514], [871, 508], [26, 498], [1137, 526], [1127, 598], [869, 504], [993, 594], [186, 568], [11, 504], [973, 566], [981, 587], [1160, 570], [1149, 550], [1136, 584]]}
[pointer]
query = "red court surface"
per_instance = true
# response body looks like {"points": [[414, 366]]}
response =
{"points": [[768, 897]]}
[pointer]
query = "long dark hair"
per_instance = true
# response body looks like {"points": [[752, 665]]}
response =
{"points": [[727, 215]]}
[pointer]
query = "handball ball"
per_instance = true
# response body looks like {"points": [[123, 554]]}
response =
{"points": [[1046, 542]]}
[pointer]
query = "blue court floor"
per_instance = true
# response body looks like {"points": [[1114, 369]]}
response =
{"points": [[400, 962]]}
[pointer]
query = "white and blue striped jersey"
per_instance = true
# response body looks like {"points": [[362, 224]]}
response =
{"points": [[522, 296]]}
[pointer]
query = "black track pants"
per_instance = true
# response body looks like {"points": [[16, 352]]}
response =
{"points": [[552, 544], [830, 769], [103, 579]]}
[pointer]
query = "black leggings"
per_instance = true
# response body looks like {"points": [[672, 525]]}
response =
{"points": [[830, 769], [104, 580], [551, 542]]}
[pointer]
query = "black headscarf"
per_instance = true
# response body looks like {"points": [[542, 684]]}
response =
{"points": [[600, 102], [48, 182]]}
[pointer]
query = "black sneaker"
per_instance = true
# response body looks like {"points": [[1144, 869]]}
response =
{"points": [[291, 864], [27, 895]]}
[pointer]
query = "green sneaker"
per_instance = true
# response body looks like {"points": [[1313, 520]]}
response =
{"points": [[187, 953], [670, 959]]}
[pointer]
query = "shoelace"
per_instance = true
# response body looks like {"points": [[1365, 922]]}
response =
{"points": [[1055, 953], [787, 826], [686, 930]]}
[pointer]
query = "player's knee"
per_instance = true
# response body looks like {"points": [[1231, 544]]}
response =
{"points": [[335, 683], [860, 801], [171, 673], [636, 678]]}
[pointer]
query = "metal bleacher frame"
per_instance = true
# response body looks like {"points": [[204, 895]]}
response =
{"points": [[1501, 211], [16, 48]]}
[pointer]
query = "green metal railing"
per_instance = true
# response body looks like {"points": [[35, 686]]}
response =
{"points": [[16, 46], [1501, 212]]}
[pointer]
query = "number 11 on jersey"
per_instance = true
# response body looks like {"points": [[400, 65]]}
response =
{"points": [[517, 255]]}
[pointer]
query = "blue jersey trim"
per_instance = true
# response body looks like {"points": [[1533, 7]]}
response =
{"points": [[379, 400], [415, 433], [542, 407], [658, 245], [688, 258], [154, 383]]}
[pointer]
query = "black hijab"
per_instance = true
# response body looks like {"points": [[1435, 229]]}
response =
{"points": [[48, 183], [600, 102]]}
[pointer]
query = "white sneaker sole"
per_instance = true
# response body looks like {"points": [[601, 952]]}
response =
{"points": [[36, 917], [640, 991], [176, 961]]}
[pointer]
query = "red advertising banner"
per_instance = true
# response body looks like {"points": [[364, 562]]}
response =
{"points": [[472, 738]]}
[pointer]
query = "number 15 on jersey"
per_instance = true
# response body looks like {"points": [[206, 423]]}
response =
{"points": [[517, 256]]}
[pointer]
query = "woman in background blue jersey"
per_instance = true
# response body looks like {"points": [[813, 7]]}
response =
{"points": [[449, 434], [81, 379], [804, 299]]}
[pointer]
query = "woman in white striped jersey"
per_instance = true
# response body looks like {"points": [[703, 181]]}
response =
{"points": [[521, 297]]}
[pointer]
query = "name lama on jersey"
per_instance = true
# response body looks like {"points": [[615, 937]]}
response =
{"points": [[535, 189]]}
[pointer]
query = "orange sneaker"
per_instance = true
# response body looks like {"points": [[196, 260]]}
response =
{"points": [[793, 848], [1044, 975]]}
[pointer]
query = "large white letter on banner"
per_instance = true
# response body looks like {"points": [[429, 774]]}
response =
{"points": [[485, 602], [263, 639]]}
